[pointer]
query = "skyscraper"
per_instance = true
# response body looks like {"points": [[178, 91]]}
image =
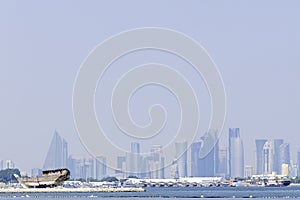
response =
{"points": [[121, 165], [209, 157], [293, 169], [147, 166], [57, 154], [216, 150], [268, 157], [223, 162], [9, 164], [181, 156], [156, 162], [174, 169], [298, 162], [195, 159], [284, 155], [133, 160], [276, 161], [248, 171], [236, 153], [135, 147], [65, 153], [259, 155], [89, 168], [100, 168], [233, 133]]}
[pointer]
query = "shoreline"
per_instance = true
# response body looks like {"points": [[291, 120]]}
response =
{"points": [[69, 190]]}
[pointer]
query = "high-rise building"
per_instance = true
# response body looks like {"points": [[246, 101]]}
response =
{"points": [[276, 160], [259, 155], [216, 150], [100, 167], [248, 171], [135, 147], [9, 164], [57, 154], [181, 156], [293, 169], [233, 133], [174, 170], [156, 162], [268, 157], [236, 154], [121, 166], [162, 170], [89, 168], [223, 165], [65, 153], [284, 155], [147, 166], [298, 162], [209, 154], [195, 159], [133, 160]]}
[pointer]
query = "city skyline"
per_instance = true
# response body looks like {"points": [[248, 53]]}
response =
{"points": [[275, 157]]}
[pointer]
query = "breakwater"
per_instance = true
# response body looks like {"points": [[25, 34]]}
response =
{"points": [[69, 190]]}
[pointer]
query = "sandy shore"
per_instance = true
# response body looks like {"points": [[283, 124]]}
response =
{"points": [[69, 190]]}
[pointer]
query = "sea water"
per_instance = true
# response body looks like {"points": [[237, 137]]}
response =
{"points": [[179, 193]]}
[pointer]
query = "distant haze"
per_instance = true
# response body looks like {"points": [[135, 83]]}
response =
{"points": [[255, 45]]}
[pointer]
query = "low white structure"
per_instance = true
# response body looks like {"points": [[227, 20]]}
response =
{"points": [[179, 181]]}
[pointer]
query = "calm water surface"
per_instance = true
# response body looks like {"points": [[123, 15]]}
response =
{"points": [[175, 192]]}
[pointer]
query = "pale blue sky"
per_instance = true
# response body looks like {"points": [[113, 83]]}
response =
{"points": [[255, 45]]}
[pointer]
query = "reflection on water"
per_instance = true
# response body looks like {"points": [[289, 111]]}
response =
{"points": [[175, 192]]}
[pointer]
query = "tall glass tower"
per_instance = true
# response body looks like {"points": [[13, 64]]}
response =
{"points": [[57, 155], [276, 163], [236, 154], [223, 162], [259, 155], [233, 133], [65, 153], [181, 156], [133, 160], [209, 157], [100, 168], [298, 162], [195, 159], [156, 162], [284, 155]]}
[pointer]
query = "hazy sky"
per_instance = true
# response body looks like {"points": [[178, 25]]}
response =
{"points": [[255, 45]]}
